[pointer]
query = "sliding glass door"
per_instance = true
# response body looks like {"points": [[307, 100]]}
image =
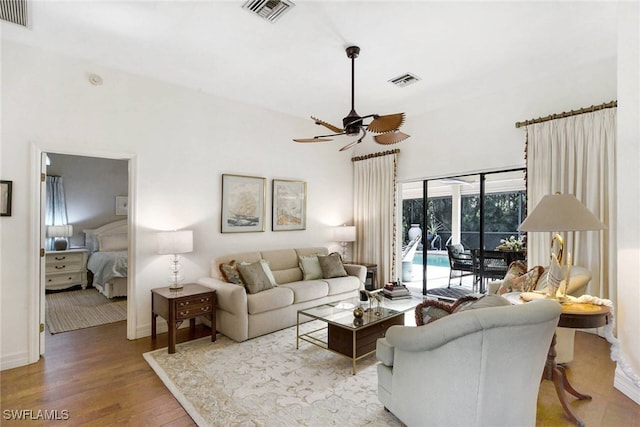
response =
{"points": [[474, 212]]}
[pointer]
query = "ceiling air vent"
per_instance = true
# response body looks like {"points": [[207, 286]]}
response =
{"points": [[14, 11], [405, 80], [271, 10]]}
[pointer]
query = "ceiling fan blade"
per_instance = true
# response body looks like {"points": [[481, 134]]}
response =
{"points": [[357, 141], [390, 137], [349, 145], [388, 123], [327, 125], [312, 139]]}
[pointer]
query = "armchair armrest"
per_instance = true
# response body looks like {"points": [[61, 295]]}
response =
{"points": [[384, 352]]}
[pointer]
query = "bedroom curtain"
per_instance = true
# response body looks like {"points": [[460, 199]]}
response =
{"points": [[55, 206], [576, 155], [374, 208]]}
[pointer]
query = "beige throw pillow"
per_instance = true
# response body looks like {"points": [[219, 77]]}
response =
{"points": [[310, 267], [331, 266], [254, 277]]}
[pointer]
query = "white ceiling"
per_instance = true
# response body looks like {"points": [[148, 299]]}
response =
{"points": [[298, 65]]}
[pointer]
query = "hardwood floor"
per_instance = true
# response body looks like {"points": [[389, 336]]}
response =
{"points": [[101, 379]]}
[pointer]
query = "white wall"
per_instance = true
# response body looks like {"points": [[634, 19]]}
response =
{"points": [[180, 142], [628, 177]]}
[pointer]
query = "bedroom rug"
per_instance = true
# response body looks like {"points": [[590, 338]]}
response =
{"points": [[68, 311], [265, 381]]}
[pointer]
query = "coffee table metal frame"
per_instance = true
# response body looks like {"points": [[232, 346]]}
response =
{"points": [[340, 314]]}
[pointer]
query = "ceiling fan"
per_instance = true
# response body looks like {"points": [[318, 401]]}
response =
{"points": [[353, 125]]}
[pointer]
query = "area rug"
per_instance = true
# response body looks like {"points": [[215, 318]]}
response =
{"points": [[69, 311], [265, 381], [450, 294]]}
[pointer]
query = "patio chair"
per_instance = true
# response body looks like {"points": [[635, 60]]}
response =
{"points": [[460, 263]]}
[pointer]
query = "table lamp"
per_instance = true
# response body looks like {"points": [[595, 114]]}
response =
{"points": [[60, 233], [175, 243], [560, 213], [344, 235]]}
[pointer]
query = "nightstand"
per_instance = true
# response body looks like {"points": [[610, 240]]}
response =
{"points": [[64, 269], [191, 301]]}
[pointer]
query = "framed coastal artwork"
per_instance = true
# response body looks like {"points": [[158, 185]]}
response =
{"points": [[289, 207], [5, 197], [243, 203]]}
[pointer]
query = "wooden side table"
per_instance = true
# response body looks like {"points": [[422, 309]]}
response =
{"points": [[191, 301], [370, 282], [580, 316]]}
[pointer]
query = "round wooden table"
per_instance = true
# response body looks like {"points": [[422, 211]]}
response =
{"points": [[579, 316]]}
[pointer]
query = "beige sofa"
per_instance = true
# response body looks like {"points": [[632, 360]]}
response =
{"points": [[241, 316]]}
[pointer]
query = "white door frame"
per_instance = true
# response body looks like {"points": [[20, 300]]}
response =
{"points": [[36, 291]]}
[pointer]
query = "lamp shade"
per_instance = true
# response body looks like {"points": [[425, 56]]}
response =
{"points": [[561, 212], [60, 230], [345, 233], [175, 242]]}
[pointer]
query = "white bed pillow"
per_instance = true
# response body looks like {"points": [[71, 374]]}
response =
{"points": [[113, 242]]}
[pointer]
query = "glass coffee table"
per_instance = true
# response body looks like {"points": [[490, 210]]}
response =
{"points": [[343, 333]]}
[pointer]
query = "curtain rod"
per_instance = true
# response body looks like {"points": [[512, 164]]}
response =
{"points": [[372, 155], [562, 115]]}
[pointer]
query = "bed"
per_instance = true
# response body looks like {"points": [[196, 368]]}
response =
{"points": [[108, 247]]}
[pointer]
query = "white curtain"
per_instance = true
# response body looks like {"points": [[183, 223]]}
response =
{"points": [[55, 205], [576, 155], [375, 196]]}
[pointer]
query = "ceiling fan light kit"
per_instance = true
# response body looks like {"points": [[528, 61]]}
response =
{"points": [[387, 126]]}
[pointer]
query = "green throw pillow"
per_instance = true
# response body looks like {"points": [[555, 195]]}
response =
{"points": [[310, 267], [331, 266]]}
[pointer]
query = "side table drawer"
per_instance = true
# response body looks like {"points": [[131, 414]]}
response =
{"points": [[190, 303], [193, 311]]}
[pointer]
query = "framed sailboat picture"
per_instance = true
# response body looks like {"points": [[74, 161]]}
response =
{"points": [[243, 203]]}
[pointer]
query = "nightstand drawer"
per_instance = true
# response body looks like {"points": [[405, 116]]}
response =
{"points": [[62, 266], [65, 279]]}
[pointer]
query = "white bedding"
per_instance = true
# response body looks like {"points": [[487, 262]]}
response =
{"points": [[108, 249]]}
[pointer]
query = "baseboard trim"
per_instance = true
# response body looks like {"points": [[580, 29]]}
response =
{"points": [[624, 384], [14, 361]]}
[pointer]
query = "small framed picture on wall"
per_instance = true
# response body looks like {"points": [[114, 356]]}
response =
{"points": [[5, 197], [122, 205], [289, 205]]}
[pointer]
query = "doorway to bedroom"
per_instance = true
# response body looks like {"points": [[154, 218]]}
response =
{"points": [[86, 241]]}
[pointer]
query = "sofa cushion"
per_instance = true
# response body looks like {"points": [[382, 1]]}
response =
{"points": [[310, 267], [270, 299], [339, 285], [255, 276], [307, 290], [331, 266]]}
